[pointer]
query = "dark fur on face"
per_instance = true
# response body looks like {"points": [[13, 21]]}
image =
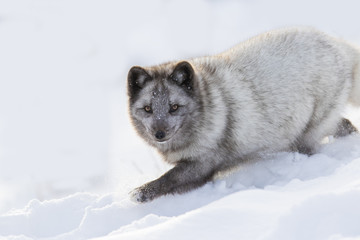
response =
{"points": [[162, 104]]}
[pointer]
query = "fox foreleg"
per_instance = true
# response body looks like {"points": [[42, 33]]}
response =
{"points": [[185, 176]]}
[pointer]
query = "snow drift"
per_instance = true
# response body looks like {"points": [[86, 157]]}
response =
{"points": [[288, 196]]}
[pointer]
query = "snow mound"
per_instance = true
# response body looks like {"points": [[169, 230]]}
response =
{"points": [[288, 196]]}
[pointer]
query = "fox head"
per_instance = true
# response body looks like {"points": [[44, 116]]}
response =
{"points": [[163, 103]]}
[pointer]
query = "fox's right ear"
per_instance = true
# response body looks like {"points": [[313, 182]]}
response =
{"points": [[137, 78], [183, 75]]}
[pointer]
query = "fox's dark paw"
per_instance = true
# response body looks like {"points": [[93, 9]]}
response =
{"points": [[141, 194]]}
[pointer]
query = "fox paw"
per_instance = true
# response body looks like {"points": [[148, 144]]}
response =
{"points": [[141, 195]]}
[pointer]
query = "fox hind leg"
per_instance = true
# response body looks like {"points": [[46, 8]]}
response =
{"points": [[322, 124], [308, 143], [344, 128]]}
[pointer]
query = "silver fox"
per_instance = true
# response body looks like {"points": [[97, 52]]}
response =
{"points": [[283, 90]]}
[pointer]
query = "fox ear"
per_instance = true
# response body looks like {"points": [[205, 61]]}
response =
{"points": [[183, 75], [137, 78]]}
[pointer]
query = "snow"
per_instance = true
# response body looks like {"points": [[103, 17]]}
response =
{"points": [[69, 157], [286, 204]]}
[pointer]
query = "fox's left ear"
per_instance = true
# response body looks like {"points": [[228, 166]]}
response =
{"points": [[183, 75], [137, 78]]}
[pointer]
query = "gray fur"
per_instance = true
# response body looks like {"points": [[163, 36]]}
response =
{"points": [[345, 128], [280, 91]]}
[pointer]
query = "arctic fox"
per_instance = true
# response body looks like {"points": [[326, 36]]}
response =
{"points": [[283, 90]]}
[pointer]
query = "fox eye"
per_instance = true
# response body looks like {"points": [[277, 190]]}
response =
{"points": [[174, 107], [148, 109]]}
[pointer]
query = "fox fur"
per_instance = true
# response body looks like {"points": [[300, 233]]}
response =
{"points": [[283, 90]]}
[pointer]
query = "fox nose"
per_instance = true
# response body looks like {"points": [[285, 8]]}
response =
{"points": [[160, 134]]}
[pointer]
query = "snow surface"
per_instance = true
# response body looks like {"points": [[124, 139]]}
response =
{"points": [[69, 155]]}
